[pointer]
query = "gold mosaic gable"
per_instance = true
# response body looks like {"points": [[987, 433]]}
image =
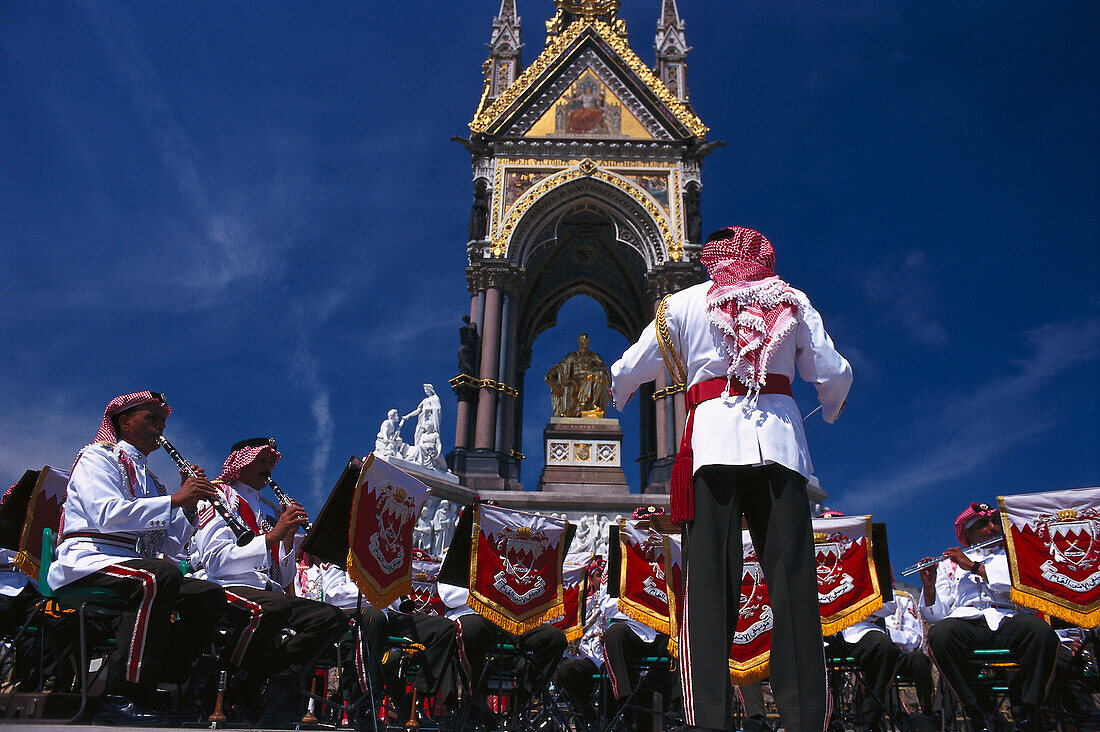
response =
{"points": [[588, 108], [497, 114]]}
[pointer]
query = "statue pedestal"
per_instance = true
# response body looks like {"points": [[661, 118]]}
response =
{"points": [[583, 457]]}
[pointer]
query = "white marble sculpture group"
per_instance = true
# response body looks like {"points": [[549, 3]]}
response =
{"points": [[427, 447]]}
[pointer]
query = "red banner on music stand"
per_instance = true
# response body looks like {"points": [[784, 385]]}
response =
{"points": [[751, 647], [384, 510], [425, 590], [516, 567], [574, 588], [43, 511], [847, 582], [642, 592], [1053, 546]]}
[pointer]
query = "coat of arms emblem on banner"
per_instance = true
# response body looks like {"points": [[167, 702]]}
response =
{"points": [[520, 547], [833, 581], [1073, 538], [395, 513]]}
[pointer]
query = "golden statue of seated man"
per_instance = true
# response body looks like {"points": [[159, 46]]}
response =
{"points": [[580, 383]]}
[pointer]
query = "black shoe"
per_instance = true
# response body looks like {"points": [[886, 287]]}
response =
{"points": [[119, 710]]}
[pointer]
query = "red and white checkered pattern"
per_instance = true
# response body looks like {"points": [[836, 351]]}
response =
{"points": [[973, 512], [747, 301], [238, 459], [121, 404]]}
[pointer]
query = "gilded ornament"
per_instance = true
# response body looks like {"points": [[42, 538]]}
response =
{"points": [[487, 115]]}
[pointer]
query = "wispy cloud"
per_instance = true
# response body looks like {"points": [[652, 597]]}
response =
{"points": [[220, 243], [972, 430], [904, 288]]}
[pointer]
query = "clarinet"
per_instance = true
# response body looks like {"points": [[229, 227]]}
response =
{"points": [[243, 533], [285, 500]]}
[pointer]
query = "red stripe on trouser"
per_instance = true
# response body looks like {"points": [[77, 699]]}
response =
{"points": [[359, 666], [141, 620], [685, 646], [256, 614], [610, 673], [462, 655]]}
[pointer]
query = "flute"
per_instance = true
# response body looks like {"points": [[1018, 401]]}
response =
{"points": [[243, 533], [932, 562], [285, 500]]}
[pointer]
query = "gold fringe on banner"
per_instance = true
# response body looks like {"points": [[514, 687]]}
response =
{"points": [[377, 597], [643, 615], [835, 625], [573, 633], [1077, 617], [673, 647], [750, 675], [510, 624], [27, 564]]}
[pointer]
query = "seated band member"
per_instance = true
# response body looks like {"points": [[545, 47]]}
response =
{"points": [[966, 600], [255, 575], [579, 671], [477, 636], [116, 523], [907, 631], [439, 636]]}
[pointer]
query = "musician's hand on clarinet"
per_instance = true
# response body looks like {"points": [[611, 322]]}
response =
{"points": [[192, 491], [201, 472], [928, 578], [290, 519]]}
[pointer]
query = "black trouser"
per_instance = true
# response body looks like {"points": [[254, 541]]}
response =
{"points": [[151, 648], [14, 614], [578, 677], [916, 666], [752, 698], [622, 649], [1069, 683], [439, 636], [545, 644], [365, 664], [773, 500], [877, 658], [314, 624], [1032, 641]]}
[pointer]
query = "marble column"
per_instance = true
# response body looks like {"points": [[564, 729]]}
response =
{"points": [[462, 423], [490, 351]]}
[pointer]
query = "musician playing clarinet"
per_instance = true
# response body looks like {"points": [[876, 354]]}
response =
{"points": [[117, 525], [255, 576], [966, 599]]}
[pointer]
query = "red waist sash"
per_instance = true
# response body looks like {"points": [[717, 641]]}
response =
{"points": [[682, 491]]}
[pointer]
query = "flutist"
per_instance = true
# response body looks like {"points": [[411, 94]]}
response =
{"points": [[255, 576], [966, 598], [117, 525]]}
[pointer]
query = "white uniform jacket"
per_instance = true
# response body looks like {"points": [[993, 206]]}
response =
{"points": [[905, 626], [729, 431], [112, 494], [455, 598], [338, 588], [854, 632], [221, 560], [962, 594]]}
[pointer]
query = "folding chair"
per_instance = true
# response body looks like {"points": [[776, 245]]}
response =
{"points": [[645, 667], [89, 603], [499, 678]]}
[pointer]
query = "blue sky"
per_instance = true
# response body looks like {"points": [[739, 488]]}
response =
{"points": [[254, 207]]}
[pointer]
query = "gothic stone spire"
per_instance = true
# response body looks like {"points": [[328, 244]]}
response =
{"points": [[502, 67], [672, 49]]}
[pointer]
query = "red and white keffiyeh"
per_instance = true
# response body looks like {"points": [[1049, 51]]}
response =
{"points": [[747, 301], [120, 404], [242, 456]]}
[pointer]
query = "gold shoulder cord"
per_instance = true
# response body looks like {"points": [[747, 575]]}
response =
{"points": [[668, 351]]}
